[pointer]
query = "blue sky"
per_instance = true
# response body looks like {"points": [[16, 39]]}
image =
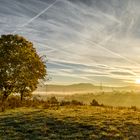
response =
{"points": [[92, 41]]}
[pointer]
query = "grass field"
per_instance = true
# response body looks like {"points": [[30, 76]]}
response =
{"points": [[70, 123]]}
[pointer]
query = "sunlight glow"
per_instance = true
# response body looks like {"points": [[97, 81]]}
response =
{"points": [[137, 81]]}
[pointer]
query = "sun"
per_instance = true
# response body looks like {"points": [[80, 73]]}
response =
{"points": [[137, 81]]}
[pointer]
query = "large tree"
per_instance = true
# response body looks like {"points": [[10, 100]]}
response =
{"points": [[20, 66]]}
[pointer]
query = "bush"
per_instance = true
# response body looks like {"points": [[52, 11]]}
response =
{"points": [[53, 101], [13, 102], [73, 102], [134, 108], [64, 103], [94, 103]]}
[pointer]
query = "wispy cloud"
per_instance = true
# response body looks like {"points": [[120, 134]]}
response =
{"points": [[85, 41]]}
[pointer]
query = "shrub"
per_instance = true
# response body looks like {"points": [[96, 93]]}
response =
{"points": [[64, 103], [94, 103], [73, 102], [134, 108], [53, 101], [13, 102]]}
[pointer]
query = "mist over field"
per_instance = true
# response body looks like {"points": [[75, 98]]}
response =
{"points": [[85, 92], [70, 70]]}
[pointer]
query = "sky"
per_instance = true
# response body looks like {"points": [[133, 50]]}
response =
{"points": [[85, 41]]}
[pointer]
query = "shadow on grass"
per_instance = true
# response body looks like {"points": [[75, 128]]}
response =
{"points": [[33, 126], [38, 125]]}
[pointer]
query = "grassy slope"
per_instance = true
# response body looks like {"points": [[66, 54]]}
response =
{"points": [[84, 122]]}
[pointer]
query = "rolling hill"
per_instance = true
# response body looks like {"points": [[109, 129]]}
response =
{"points": [[84, 88]]}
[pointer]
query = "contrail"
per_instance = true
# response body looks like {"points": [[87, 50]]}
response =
{"points": [[35, 17], [75, 76], [100, 45]]}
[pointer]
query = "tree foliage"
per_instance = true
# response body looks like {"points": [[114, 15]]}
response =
{"points": [[20, 66]]}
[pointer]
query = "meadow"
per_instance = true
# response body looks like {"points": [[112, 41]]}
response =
{"points": [[112, 116], [70, 123]]}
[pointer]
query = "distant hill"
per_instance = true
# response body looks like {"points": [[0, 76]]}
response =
{"points": [[84, 87], [69, 88]]}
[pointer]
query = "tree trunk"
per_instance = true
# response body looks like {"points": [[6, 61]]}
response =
{"points": [[4, 97], [22, 93], [21, 97]]}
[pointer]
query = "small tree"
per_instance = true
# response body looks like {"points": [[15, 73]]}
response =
{"points": [[94, 103], [20, 66], [53, 101]]}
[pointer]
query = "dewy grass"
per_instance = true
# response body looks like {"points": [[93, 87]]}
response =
{"points": [[75, 122]]}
